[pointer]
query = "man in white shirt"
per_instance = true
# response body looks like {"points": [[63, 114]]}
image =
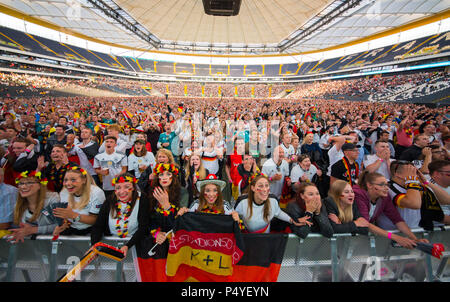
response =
{"points": [[276, 169], [380, 161], [110, 164]]}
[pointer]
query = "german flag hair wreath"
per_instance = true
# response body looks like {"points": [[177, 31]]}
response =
{"points": [[124, 179], [160, 168], [256, 174], [76, 168], [36, 174]]}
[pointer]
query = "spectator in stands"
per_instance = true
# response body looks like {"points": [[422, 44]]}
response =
{"points": [[140, 159], [372, 198], [83, 200], [246, 169], [56, 169], [86, 150], [195, 171], [312, 149], [121, 145], [305, 171], [234, 159], [418, 150], [276, 169], [309, 211], [124, 214], [384, 136], [288, 149], [347, 168], [342, 210], [440, 176], [8, 197], [211, 199], [404, 136], [57, 138], [164, 196], [416, 199], [428, 128], [166, 138], [258, 209], [30, 214], [381, 160], [109, 164]]}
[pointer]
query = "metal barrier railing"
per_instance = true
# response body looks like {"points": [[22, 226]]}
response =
{"points": [[343, 257]]}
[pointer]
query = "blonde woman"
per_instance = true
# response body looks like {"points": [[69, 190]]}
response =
{"points": [[30, 214], [84, 200], [342, 210]]}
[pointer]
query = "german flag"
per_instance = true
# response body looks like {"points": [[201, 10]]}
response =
{"points": [[210, 243], [210, 248]]}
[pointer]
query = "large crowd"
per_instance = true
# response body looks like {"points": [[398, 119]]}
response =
{"points": [[129, 167]]}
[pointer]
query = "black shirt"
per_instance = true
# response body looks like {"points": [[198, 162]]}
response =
{"points": [[340, 171]]}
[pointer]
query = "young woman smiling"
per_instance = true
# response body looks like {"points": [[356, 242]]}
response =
{"points": [[211, 199], [164, 199], [29, 217], [121, 215], [342, 210], [84, 200], [258, 209]]}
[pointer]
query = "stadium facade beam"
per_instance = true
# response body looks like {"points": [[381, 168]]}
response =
{"points": [[111, 10], [327, 15]]}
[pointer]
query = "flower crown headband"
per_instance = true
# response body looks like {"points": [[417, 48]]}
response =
{"points": [[123, 179], [166, 167], [34, 173], [258, 173], [76, 168]]}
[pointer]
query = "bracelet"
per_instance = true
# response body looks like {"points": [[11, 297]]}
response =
{"points": [[425, 183], [27, 150], [381, 160], [389, 235]]}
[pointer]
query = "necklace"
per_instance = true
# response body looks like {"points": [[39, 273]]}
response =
{"points": [[123, 213]]}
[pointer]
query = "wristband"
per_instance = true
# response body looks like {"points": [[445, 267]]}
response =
{"points": [[414, 186], [27, 150], [389, 235], [425, 183], [381, 160]]}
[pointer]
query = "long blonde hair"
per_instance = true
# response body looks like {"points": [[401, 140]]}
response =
{"points": [[22, 205], [335, 192], [86, 195]]}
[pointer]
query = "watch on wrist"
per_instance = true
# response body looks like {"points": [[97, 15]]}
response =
{"points": [[77, 219]]}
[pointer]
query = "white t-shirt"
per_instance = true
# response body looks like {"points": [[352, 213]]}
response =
{"points": [[270, 169], [383, 169], [257, 222], [114, 162], [297, 172], [132, 221], [334, 155], [135, 161], [288, 151], [97, 197]]}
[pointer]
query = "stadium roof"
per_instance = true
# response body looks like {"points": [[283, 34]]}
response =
{"points": [[262, 26]]}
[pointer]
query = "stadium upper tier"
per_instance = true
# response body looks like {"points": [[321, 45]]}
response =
{"points": [[16, 41]]}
